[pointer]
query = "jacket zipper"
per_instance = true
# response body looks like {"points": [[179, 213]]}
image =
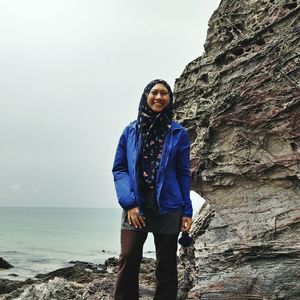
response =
{"points": [[164, 160]]}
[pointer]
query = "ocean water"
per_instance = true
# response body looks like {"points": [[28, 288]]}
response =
{"points": [[39, 240]]}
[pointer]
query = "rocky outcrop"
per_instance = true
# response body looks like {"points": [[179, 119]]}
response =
{"points": [[80, 281], [240, 102], [4, 264]]}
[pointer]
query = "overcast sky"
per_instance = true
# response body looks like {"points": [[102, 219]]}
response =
{"points": [[71, 76]]}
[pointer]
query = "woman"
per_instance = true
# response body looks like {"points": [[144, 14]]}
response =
{"points": [[152, 181]]}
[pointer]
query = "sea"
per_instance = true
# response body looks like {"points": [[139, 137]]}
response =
{"points": [[39, 240]]}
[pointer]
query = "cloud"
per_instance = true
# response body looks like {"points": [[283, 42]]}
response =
{"points": [[16, 186], [71, 77]]}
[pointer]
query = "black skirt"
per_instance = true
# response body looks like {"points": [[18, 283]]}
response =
{"points": [[168, 223]]}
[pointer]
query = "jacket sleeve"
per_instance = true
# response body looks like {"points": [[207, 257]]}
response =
{"points": [[123, 186], [183, 173]]}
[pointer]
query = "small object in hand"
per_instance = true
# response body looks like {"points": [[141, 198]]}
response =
{"points": [[185, 239]]}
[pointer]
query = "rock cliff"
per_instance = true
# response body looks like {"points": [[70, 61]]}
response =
{"points": [[240, 102]]}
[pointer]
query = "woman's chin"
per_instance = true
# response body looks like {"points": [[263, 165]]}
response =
{"points": [[157, 109]]}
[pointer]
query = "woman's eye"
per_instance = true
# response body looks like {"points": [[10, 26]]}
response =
{"points": [[163, 93]]}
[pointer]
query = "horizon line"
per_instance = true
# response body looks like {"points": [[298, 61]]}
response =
{"points": [[56, 207]]}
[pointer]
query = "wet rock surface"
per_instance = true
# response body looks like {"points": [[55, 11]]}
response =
{"points": [[240, 102], [4, 264]]}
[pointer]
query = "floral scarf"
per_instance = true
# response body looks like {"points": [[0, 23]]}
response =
{"points": [[153, 128]]}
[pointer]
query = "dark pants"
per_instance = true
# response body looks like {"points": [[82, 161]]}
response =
{"points": [[127, 282]]}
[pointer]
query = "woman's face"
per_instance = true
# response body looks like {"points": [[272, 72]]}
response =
{"points": [[158, 98]]}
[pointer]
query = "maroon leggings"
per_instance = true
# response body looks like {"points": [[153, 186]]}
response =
{"points": [[127, 281]]}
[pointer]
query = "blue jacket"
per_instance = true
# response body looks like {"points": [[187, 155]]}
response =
{"points": [[173, 174]]}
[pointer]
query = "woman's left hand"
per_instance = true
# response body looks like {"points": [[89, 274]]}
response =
{"points": [[186, 223]]}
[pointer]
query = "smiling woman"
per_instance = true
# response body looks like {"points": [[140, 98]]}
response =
{"points": [[152, 180], [158, 98]]}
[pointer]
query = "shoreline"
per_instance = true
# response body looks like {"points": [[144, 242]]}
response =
{"points": [[79, 280], [24, 271]]}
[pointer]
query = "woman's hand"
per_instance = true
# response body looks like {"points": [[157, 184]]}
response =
{"points": [[135, 218], [186, 223]]}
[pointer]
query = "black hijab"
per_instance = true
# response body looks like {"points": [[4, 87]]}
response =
{"points": [[153, 128]]}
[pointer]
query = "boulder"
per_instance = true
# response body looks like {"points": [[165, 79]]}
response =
{"points": [[4, 264]]}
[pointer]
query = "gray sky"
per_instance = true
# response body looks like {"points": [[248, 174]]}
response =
{"points": [[71, 76]]}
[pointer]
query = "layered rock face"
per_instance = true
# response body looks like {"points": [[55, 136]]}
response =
{"points": [[240, 102]]}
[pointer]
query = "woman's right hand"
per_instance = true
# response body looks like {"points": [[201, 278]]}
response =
{"points": [[135, 218]]}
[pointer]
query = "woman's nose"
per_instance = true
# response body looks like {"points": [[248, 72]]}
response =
{"points": [[158, 96]]}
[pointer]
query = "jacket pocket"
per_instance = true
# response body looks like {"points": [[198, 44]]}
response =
{"points": [[125, 193]]}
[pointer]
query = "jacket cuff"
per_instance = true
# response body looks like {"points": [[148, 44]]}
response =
{"points": [[128, 207], [188, 212]]}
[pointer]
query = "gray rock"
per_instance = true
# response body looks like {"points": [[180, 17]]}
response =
{"points": [[240, 102], [85, 281], [57, 288], [4, 264]]}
